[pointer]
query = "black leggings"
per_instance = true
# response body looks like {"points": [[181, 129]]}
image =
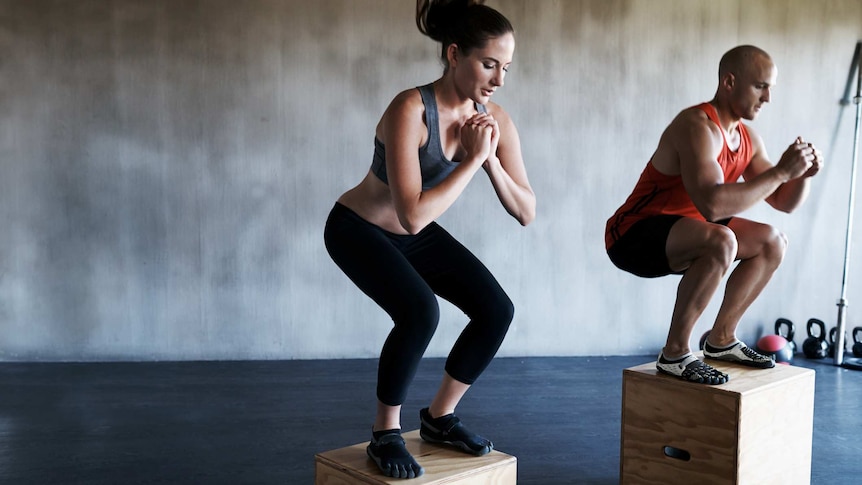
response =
{"points": [[402, 273]]}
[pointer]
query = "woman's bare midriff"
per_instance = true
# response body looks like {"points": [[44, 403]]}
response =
{"points": [[372, 201]]}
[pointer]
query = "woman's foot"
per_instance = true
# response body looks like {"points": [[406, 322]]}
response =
{"points": [[449, 430], [389, 452]]}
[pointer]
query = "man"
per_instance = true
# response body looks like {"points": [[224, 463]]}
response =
{"points": [[681, 216]]}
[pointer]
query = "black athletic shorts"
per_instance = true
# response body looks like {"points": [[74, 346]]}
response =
{"points": [[641, 250]]}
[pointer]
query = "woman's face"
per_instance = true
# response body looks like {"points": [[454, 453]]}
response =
{"points": [[480, 73]]}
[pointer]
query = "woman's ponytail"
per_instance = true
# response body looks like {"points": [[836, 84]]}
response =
{"points": [[436, 18]]}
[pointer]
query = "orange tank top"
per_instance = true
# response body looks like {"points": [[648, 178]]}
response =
{"points": [[656, 193]]}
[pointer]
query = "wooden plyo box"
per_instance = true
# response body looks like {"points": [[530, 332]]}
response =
{"points": [[442, 464], [755, 429]]}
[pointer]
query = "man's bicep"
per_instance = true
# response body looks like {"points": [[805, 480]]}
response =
{"points": [[698, 160]]}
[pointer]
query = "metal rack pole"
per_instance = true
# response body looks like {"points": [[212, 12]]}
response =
{"points": [[842, 302]]}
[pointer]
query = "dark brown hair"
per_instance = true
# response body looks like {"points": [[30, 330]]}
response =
{"points": [[466, 23]]}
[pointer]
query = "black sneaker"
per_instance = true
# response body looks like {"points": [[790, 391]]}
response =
{"points": [[390, 454], [449, 430]]}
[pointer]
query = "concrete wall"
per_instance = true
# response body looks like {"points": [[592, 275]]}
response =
{"points": [[166, 168]]}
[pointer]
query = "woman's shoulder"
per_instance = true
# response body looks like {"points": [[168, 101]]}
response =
{"points": [[497, 111], [492, 106], [409, 98], [407, 103], [405, 111]]}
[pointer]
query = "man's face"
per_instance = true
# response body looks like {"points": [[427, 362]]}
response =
{"points": [[752, 88]]}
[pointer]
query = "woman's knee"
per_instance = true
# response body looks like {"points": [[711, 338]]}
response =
{"points": [[498, 311], [507, 311], [420, 316]]}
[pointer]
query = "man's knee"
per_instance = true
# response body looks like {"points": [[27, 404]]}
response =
{"points": [[775, 245], [710, 245], [722, 245]]}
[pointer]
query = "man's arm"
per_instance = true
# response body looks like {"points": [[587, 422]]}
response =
{"points": [[698, 143], [791, 194]]}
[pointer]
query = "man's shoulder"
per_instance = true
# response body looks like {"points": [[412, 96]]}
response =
{"points": [[694, 120], [693, 114]]}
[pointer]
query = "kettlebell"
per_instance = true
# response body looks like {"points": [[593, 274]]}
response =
{"points": [[815, 346], [832, 333], [857, 341], [791, 330]]}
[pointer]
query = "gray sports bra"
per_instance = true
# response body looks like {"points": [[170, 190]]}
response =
{"points": [[433, 164]]}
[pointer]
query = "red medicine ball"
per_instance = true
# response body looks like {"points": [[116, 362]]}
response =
{"points": [[777, 346]]}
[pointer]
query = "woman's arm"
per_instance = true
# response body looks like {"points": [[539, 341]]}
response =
{"points": [[505, 168], [403, 133]]}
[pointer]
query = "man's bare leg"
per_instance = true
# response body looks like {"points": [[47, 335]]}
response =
{"points": [[705, 251], [761, 249]]}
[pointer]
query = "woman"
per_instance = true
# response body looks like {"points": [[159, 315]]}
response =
{"points": [[429, 143]]}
